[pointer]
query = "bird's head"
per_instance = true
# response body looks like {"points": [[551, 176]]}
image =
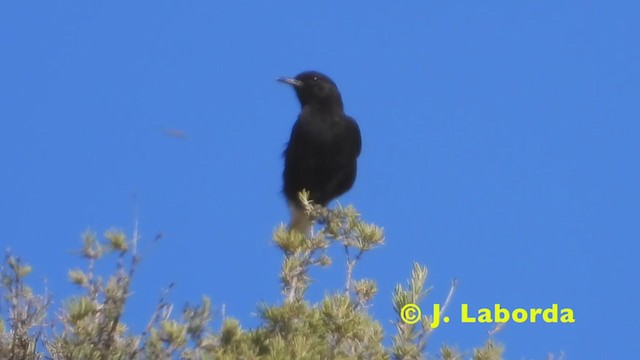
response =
{"points": [[314, 88]]}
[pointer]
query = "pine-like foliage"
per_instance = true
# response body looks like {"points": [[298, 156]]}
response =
{"points": [[89, 325]]}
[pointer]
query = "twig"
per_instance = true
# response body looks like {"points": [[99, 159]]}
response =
{"points": [[452, 290], [350, 264], [497, 328]]}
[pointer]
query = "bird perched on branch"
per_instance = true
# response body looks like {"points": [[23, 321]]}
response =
{"points": [[321, 156]]}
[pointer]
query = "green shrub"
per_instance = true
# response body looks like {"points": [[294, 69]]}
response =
{"points": [[89, 325]]}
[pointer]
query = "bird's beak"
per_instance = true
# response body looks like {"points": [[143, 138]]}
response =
{"points": [[291, 81]]}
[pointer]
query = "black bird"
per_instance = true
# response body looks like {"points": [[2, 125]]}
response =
{"points": [[321, 156]]}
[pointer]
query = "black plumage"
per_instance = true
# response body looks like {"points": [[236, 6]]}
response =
{"points": [[321, 156]]}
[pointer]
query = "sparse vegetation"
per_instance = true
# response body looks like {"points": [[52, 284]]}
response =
{"points": [[89, 325]]}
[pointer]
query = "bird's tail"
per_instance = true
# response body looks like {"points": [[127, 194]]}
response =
{"points": [[300, 221]]}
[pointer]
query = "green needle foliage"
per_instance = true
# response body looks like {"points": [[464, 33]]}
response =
{"points": [[89, 325]]}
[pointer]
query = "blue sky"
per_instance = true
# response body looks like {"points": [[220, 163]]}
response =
{"points": [[500, 146]]}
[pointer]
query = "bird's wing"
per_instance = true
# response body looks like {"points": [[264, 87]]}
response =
{"points": [[355, 137]]}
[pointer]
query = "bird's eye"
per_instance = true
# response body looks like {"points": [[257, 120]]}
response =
{"points": [[315, 78]]}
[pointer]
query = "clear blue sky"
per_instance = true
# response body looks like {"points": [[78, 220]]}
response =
{"points": [[500, 148]]}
